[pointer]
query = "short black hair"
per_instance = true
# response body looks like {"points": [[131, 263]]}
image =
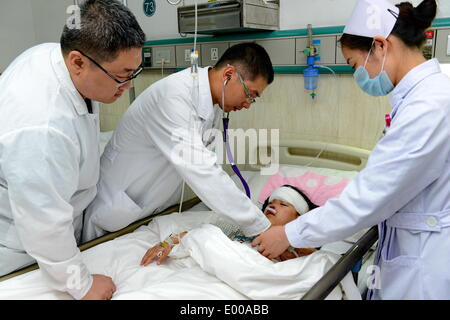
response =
{"points": [[311, 205], [252, 60], [107, 27], [410, 26]]}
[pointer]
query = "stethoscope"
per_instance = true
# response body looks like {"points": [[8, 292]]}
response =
{"points": [[230, 157]]}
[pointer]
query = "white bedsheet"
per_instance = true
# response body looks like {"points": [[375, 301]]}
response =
{"points": [[206, 266]]}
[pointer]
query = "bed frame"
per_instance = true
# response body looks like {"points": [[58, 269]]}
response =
{"points": [[312, 153], [294, 152], [343, 266]]}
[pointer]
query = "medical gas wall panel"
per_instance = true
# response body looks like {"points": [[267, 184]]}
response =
{"points": [[163, 56], [183, 54], [327, 50], [339, 56], [281, 51], [211, 52], [442, 52]]}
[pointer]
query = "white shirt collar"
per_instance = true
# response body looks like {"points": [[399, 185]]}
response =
{"points": [[206, 108], [60, 68], [411, 79]]}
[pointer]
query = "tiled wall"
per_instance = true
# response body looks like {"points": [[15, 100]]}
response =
{"points": [[341, 112]]}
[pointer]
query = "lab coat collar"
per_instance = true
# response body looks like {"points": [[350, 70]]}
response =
{"points": [[411, 79], [206, 108], [60, 68]]}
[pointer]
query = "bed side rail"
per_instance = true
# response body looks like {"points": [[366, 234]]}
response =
{"points": [[342, 267]]}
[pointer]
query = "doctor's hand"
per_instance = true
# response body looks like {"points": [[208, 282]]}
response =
{"points": [[102, 288], [272, 242]]}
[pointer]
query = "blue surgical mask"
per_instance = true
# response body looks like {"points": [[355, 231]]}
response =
{"points": [[381, 85]]}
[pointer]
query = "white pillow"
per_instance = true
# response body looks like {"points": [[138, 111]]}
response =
{"points": [[256, 181]]}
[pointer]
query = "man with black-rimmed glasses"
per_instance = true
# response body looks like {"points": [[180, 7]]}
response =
{"points": [[49, 142]]}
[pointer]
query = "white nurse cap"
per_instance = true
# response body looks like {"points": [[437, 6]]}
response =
{"points": [[372, 18]]}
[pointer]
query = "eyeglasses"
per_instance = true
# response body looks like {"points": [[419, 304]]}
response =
{"points": [[119, 82], [250, 98]]}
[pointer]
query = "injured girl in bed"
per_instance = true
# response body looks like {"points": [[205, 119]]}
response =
{"points": [[284, 205], [221, 249], [209, 260]]}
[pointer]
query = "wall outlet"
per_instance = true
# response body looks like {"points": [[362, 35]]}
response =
{"points": [[214, 54], [187, 55]]}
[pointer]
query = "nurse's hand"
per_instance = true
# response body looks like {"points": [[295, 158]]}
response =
{"points": [[102, 288], [272, 242]]}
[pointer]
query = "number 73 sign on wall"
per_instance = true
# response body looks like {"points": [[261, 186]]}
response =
{"points": [[149, 7]]}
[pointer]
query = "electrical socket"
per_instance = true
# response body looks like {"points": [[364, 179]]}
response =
{"points": [[214, 54], [187, 55]]}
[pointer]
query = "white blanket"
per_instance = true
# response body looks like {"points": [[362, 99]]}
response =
{"points": [[207, 265]]}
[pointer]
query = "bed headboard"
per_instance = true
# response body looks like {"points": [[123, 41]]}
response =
{"points": [[309, 153]]}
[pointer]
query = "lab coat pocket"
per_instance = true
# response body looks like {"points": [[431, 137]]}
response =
{"points": [[400, 278], [122, 212]]}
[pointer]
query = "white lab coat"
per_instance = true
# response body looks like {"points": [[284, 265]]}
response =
{"points": [[405, 188], [140, 173], [49, 168]]}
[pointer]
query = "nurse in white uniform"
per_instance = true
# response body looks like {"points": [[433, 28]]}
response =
{"points": [[405, 187], [49, 143], [141, 168]]}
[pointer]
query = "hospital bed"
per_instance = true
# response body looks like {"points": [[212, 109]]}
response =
{"points": [[334, 160]]}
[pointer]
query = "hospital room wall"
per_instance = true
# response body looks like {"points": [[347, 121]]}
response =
{"points": [[26, 23], [294, 14], [341, 112]]}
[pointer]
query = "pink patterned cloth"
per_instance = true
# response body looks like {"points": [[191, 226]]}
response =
{"points": [[318, 188]]}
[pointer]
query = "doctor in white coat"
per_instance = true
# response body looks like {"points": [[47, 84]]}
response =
{"points": [[49, 143], [405, 187], [141, 168]]}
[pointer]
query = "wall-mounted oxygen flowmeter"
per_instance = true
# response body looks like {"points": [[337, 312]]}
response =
{"points": [[311, 73]]}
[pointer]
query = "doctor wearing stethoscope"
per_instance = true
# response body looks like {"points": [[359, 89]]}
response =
{"points": [[405, 187], [142, 170]]}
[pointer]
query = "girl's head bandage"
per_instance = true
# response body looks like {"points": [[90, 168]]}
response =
{"points": [[291, 196]]}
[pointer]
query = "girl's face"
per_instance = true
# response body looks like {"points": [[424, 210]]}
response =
{"points": [[280, 212]]}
